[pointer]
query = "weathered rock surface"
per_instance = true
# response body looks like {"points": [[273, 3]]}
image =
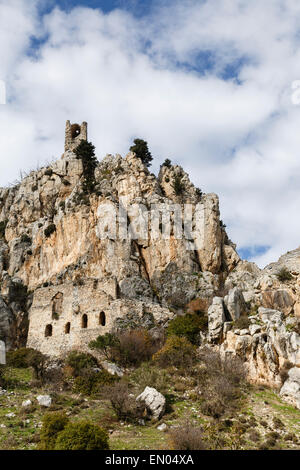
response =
{"points": [[62, 283], [112, 368], [51, 240], [44, 400], [291, 388], [26, 403], [235, 303], [2, 352], [154, 402], [216, 319]]}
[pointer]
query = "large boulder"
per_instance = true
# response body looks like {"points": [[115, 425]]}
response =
{"points": [[290, 390], [112, 368], [44, 400], [2, 353], [216, 319], [154, 401], [6, 322], [235, 303], [281, 299]]}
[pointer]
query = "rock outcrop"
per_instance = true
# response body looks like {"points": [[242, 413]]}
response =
{"points": [[54, 246], [135, 252], [154, 402]]}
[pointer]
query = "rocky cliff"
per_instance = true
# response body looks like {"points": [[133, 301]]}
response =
{"points": [[63, 282]]}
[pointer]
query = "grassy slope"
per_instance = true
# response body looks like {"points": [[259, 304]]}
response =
{"points": [[259, 408]]}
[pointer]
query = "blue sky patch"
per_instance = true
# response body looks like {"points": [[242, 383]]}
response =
{"points": [[250, 252], [137, 7]]}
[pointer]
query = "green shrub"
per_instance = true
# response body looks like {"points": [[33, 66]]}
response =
{"points": [[219, 381], [80, 362], [284, 275], [167, 163], [91, 383], [134, 347], [149, 374], [85, 151], [27, 357], [177, 351], [199, 193], [178, 185], [49, 230], [188, 326], [123, 403], [104, 343], [242, 323], [52, 425], [36, 360], [187, 437], [25, 238], [140, 148], [82, 436], [2, 378], [3, 225], [17, 358]]}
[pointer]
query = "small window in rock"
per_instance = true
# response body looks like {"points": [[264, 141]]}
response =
{"points": [[67, 328], [57, 305], [48, 331], [84, 321], [102, 319]]}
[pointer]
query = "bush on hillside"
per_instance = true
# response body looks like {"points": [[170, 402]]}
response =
{"points": [[49, 230], [128, 348], [27, 357], [79, 362], [178, 185], [140, 148], [123, 403], [104, 344], [92, 383], [284, 275], [177, 351], [219, 382], [187, 437], [52, 425], [188, 326], [82, 436], [147, 374], [85, 151]]}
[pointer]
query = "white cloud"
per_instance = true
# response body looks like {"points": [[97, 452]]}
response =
{"points": [[138, 77]]}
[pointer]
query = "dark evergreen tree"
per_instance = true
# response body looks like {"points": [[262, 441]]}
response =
{"points": [[86, 153], [140, 148]]}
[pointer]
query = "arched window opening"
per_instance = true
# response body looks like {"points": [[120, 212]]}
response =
{"points": [[67, 328], [48, 331], [102, 319], [75, 130], [84, 321]]}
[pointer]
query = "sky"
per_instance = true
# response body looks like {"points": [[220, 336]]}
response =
{"points": [[212, 85]]}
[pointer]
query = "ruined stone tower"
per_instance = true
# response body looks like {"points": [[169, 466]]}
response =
{"points": [[74, 134]]}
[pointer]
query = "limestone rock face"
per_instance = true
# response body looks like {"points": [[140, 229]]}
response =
{"points": [[235, 303], [291, 388], [75, 265], [216, 319], [154, 402], [54, 235]]}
